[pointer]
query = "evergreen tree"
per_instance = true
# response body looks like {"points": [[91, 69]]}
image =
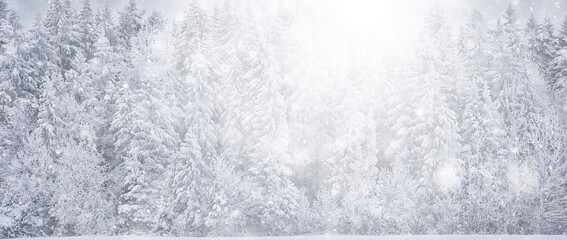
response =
{"points": [[129, 24], [521, 92], [145, 140], [533, 33], [353, 162], [19, 89], [394, 205], [552, 168], [540, 42], [232, 42], [106, 27], [229, 192], [18, 86], [51, 123], [433, 142], [67, 134], [88, 33], [557, 70], [483, 134], [105, 71], [78, 201], [63, 34], [274, 199], [27, 191], [154, 22], [192, 172], [548, 45]]}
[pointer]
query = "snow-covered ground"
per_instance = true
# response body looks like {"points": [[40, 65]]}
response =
{"points": [[336, 237]]}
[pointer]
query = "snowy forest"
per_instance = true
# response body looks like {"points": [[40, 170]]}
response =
{"points": [[253, 120]]}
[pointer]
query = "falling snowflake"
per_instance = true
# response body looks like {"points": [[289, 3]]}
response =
{"points": [[514, 150]]}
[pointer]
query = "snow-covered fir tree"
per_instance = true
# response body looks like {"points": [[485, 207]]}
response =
{"points": [[557, 69], [192, 199], [63, 34], [274, 197], [483, 134], [106, 26], [129, 23], [520, 90], [147, 145], [88, 33], [435, 130]]}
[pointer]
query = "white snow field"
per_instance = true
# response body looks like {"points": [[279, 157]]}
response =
{"points": [[324, 237]]}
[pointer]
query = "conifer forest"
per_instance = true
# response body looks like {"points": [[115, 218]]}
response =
{"points": [[259, 118]]}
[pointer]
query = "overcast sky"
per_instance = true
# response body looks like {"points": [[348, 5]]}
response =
{"points": [[172, 9]]}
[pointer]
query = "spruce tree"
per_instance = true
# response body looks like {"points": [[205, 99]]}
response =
{"points": [[434, 131], [192, 168], [63, 34], [483, 134], [274, 199], [88, 32], [145, 140], [129, 24]]}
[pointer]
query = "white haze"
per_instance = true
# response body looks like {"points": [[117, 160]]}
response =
{"points": [[359, 117]]}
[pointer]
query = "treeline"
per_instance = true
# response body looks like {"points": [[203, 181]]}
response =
{"points": [[236, 122]]}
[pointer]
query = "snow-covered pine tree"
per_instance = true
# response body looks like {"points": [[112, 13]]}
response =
{"points": [[105, 70], [78, 203], [232, 42], [41, 57], [483, 134], [309, 125], [88, 32], [27, 192], [122, 133], [145, 138], [395, 209], [540, 41], [521, 94], [18, 86], [106, 27], [394, 114], [79, 166], [548, 44], [435, 130], [191, 199], [63, 34], [67, 126], [552, 169], [67, 135], [129, 24], [229, 191], [558, 68], [19, 89], [274, 198], [51, 123], [122, 119], [533, 34], [41, 50], [353, 162], [223, 25], [154, 22], [400, 114]]}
